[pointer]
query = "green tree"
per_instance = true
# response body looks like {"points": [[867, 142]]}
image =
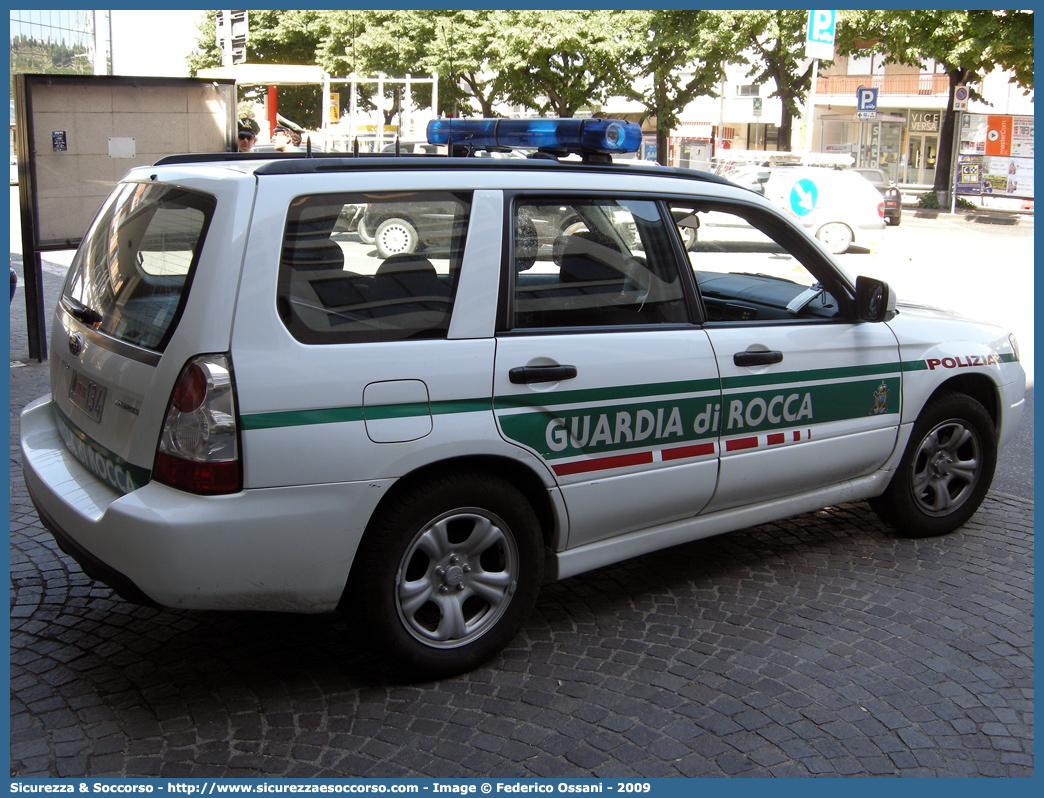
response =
{"points": [[968, 45], [776, 42], [678, 56], [36, 57], [394, 43], [558, 62], [275, 37], [459, 53]]}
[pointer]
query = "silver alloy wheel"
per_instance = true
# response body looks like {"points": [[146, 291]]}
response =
{"points": [[836, 237], [395, 237], [947, 467], [457, 578]]}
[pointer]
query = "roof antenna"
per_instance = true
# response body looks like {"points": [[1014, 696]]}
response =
{"points": [[355, 146]]}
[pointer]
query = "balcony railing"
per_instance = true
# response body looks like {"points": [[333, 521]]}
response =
{"points": [[848, 85]]}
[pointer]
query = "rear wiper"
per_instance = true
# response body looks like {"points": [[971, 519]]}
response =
{"points": [[82, 313]]}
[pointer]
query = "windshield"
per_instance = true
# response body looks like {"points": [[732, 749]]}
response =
{"points": [[131, 274]]}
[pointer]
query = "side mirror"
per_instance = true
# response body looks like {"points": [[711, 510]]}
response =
{"points": [[874, 300]]}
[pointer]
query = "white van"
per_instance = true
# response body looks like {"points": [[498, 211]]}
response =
{"points": [[840, 208]]}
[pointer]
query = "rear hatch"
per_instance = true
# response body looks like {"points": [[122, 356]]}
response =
{"points": [[122, 303]]}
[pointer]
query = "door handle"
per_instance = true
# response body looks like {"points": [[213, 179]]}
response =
{"points": [[757, 358], [523, 375]]}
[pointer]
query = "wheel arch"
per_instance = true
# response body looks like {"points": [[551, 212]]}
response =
{"points": [[518, 474], [978, 386]]}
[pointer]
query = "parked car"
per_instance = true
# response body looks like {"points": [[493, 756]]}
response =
{"points": [[249, 411], [893, 198], [839, 207]]}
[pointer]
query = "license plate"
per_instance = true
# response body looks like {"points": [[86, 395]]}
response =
{"points": [[87, 395]]}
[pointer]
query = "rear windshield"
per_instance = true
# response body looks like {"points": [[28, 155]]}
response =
{"points": [[130, 277]]}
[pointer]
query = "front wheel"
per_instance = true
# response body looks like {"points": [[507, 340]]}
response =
{"points": [[945, 472], [444, 577], [836, 237]]}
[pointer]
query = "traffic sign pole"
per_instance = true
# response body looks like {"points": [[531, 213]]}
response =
{"points": [[810, 133], [819, 42]]}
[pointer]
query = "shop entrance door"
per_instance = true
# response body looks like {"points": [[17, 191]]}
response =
{"points": [[921, 155]]}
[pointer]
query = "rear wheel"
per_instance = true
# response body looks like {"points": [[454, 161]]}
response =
{"points": [[445, 577], [836, 237], [945, 472], [395, 237]]}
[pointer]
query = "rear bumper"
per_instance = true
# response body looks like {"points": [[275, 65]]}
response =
{"points": [[279, 549]]}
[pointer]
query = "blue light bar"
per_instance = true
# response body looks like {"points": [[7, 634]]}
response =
{"points": [[573, 135]]}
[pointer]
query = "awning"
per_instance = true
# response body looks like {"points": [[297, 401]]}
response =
{"points": [[266, 74], [693, 130]]}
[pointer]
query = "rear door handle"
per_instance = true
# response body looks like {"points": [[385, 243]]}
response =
{"points": [[757, 358], [523, 375]]}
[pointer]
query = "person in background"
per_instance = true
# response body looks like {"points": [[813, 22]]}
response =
{"points": [[285, 140], [246, 138]]}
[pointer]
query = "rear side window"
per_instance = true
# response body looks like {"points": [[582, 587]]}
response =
{"points": [[369, 267], [131, 276]]}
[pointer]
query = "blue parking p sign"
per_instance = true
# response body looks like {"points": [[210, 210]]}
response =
{"points": [[866, 99]]}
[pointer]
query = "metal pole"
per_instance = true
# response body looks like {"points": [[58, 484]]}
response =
{"points": [[955, 161], [810, 128]]}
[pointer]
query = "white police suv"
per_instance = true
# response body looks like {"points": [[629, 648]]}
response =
{"points": [[579, 362]]}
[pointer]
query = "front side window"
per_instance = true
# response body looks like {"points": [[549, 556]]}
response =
{"points": [[593, 263], [746, 270], [371, 267], [131, 275]]}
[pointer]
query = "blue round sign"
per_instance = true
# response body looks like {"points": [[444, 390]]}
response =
{"points": [[803, 197]]}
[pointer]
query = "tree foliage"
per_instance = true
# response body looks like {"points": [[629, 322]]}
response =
{"points": [[369, 43], [563, 62], [459, 52], [558, 62], [276, 37], [36, 57], [681, 55], [776, 42]]}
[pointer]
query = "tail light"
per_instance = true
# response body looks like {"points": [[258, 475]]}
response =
{"points": [[199, 446], [880, 209]]}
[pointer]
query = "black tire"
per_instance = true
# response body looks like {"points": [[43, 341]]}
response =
{"points": [[689, 237], [395, 237], [364, 233], [444, 578], [945, 472]]}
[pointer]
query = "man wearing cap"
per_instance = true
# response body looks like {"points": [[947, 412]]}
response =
{"points": [[285, 140], [246, 138]]}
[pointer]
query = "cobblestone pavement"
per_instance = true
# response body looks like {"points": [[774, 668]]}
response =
{"points": [[817, 646]]}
